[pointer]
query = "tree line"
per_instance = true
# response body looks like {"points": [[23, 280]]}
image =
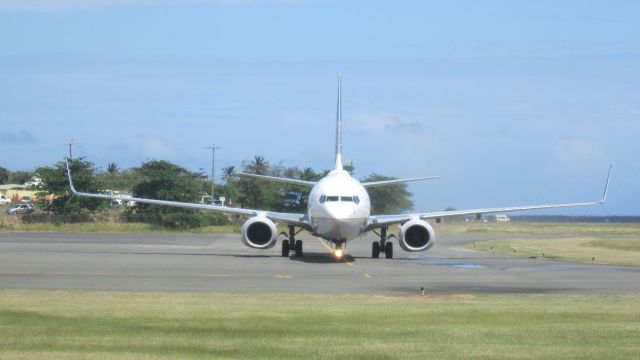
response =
{"points": [[159, 179], [14, 177]]}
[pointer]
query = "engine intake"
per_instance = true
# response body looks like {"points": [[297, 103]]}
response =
{"points": [[416, 235], [259, 233]]}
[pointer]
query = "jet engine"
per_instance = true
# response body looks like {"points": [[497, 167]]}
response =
{"points": [[416, 235], [259, 233]]}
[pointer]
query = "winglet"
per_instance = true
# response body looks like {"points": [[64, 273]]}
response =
{"points": [[73, 189], [606, 187]]}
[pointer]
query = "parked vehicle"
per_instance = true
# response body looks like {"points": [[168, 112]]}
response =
{"points": [[4, 200], [21, 209]]}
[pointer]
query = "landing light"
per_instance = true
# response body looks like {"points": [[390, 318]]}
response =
{"points": [[338, 253]]}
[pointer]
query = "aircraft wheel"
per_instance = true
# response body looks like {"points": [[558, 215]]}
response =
{"points": [[375, 250], [286, 248], [298, 248], [388, 250]]}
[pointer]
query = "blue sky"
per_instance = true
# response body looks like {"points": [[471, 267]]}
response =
{"points": [[511, 102]]}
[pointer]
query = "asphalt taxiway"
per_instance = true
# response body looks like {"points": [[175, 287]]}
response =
{"points": [[220, 263]]}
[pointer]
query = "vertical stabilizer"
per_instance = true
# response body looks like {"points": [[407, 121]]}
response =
{"points": [[338, 165]]}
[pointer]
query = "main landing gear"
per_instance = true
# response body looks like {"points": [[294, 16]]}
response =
{"points": [[379, 246], [290, 243]]}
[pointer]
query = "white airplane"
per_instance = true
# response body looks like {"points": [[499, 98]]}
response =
{"points": [[338, 211]]}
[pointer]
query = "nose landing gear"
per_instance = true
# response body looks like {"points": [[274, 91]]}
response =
{"points": [[378, 246], [338, 253]]}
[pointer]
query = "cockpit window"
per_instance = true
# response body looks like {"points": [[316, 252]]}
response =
{"points": [[325, 198]]}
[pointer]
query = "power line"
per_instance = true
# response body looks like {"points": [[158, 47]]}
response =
{"points": [[213, 168], [71, 143]]}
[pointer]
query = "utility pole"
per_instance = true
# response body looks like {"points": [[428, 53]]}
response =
{"points": [[213, 168], [71, 143]]}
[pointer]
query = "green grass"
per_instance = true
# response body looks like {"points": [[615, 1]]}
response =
{"points": [[583, 250], [106, 222], [543, 229], [608, 243], [617, 244], [113, 227], [120, 325]]}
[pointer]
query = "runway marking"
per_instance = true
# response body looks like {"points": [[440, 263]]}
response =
{"points": [[283, 277], [325, 245], [331, 251]]}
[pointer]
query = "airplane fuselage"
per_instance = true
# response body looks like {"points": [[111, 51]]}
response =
{"points": [[338, 207]]}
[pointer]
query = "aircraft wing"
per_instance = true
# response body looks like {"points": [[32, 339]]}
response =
{"points": [[377, 221], [300, 220]]}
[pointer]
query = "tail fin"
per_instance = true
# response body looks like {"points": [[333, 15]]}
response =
{"points": [[338, 165]]}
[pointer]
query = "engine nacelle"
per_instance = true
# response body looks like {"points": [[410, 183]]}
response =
{"points": [[416, 235], [259, 233]]}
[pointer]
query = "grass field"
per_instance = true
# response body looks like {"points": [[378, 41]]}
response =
{"points": [[543, 229], [119, 325], [108, 223], [615, 244], [108, 227]]}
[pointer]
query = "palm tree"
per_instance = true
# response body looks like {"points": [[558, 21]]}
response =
{"points": [[291, 172], [309, 174], [228, 173], [112, 168], [259, 165]]}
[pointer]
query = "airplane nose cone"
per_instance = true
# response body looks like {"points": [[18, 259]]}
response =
{"points": [[341, 222], [340, 212]]}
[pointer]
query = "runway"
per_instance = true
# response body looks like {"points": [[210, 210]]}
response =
{"points": [[220, 263]]}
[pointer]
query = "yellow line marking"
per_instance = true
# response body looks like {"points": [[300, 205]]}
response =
{"points": [[331, 251], [366, 275], [325, 245]]}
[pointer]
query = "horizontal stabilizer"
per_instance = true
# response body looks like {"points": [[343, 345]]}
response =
{"points": [[397, 181]]}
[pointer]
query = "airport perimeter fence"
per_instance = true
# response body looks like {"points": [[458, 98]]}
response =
{"points": [[28, 219]]}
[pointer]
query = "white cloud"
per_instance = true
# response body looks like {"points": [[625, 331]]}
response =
{"points": [[574, 150], [383, 125], [83, 5], [405, 143], [157, 149], [17, 137]]}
